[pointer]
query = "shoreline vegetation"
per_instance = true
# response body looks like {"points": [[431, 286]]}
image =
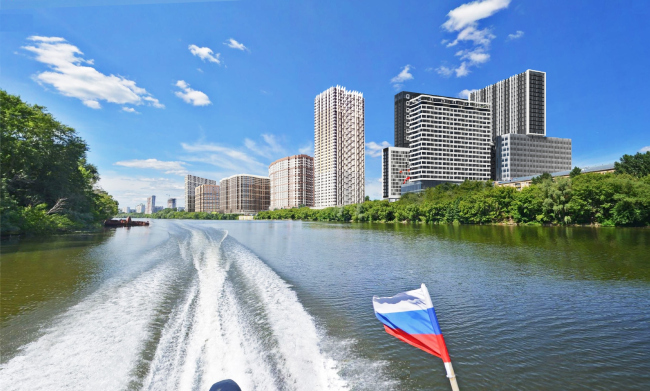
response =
{"points": [[172, 213], [48, 186], [610, 200]]}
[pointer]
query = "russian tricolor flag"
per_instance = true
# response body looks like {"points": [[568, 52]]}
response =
{"points": [[410, 317]]}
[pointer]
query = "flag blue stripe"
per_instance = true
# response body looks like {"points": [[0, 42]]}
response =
{"points": [[412, 322]]}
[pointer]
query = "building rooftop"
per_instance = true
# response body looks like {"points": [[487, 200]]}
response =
{"points": [[601, 167]]}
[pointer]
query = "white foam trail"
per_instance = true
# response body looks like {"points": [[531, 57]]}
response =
{"points": [[206, 340], [304, 365], [96, 343]]}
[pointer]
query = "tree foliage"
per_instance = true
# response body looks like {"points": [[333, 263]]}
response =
{"points": [[593, 199], [172, 213], [636, 165], [44, 164]]}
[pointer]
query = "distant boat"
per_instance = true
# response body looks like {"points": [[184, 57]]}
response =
{"points": [[128, 222]]}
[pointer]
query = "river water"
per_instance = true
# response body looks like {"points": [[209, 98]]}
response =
{"points": [[287, 306]]}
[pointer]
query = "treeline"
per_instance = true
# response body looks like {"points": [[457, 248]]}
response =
{"points": [[616, 199], [172, 213], [47, 184]]}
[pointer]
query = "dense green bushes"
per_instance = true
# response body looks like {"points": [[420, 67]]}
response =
{"points": [[47, 184], [174, 214], [599, 199]]}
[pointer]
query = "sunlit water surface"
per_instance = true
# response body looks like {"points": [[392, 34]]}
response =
{"points": [[287, 306]]}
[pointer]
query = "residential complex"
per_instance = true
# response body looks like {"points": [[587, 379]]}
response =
{"points": [[292, 182], [518, 104], [401, 126], [519, 128], [339, 147], [140, 208], [245, 194], [151, 205], [171, 203], [394, 171], [191, 183], [450, 141], [519, 155], [523, 182], [206, 198]]}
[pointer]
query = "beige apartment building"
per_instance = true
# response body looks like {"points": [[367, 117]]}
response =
{"points": [[191, 183], [245, 194], [339, 147], [206, 198], [292, 182]]}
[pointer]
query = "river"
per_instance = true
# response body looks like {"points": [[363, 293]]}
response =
{"points": [[287, 306]]}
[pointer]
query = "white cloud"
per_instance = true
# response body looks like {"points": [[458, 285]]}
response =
{"points": [[70, 75], [133, 190], [464, 20], [516, 35], [130, 110], [191, 96], [470, 13], [403, 76], [169, 167], [269, 148], [231, 43], [374, 150], [465, 94], [233, 161], [373, 188], [645, 149], [307, 149], [199, 69], [205, 54]]}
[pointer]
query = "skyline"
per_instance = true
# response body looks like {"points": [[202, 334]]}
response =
{"points": [[238, 90]]}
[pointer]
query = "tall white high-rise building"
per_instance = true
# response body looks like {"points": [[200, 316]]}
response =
{"points": [[191, 183], [151, 205], [339, 142], [449, 139], [518, 104]]}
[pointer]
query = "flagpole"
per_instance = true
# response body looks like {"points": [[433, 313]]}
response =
{"points": [[452, 376]]}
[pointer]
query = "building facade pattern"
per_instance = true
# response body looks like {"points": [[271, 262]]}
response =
{"points": [[394, 171], [339, 147], [518, 104], [245, 194], [191, 183], [450, 140], [401, 125], [151, 205], [519, 155], [292, 182], [206, 198]]}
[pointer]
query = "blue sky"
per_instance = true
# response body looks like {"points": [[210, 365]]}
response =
{"points": [[160, 89]]}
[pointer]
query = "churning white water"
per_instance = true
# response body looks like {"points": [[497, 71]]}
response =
{"points": [[231, 316]]}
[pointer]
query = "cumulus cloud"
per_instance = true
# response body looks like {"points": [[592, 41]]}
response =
{"points": [[205, 54], [373, 188], [465, 94], [645, 149], [231, 43], [191, 96], [403, 76], [463, 21], [169, 167], [374, 150], [130, 110], [516, 35], [71, 75]]}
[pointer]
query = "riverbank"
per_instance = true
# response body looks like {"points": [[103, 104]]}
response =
{"points": [[607, 200]]}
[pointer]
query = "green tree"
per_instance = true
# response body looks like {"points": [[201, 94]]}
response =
{"points": [[541, 178], [636, 165], [575, 172]]}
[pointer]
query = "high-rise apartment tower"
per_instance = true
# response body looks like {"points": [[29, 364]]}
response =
{"points": [[292, 182], [151, 205], [401, 126], [245, 194], [339, 147], [191, 183], [394, 171], [206, 198]]}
